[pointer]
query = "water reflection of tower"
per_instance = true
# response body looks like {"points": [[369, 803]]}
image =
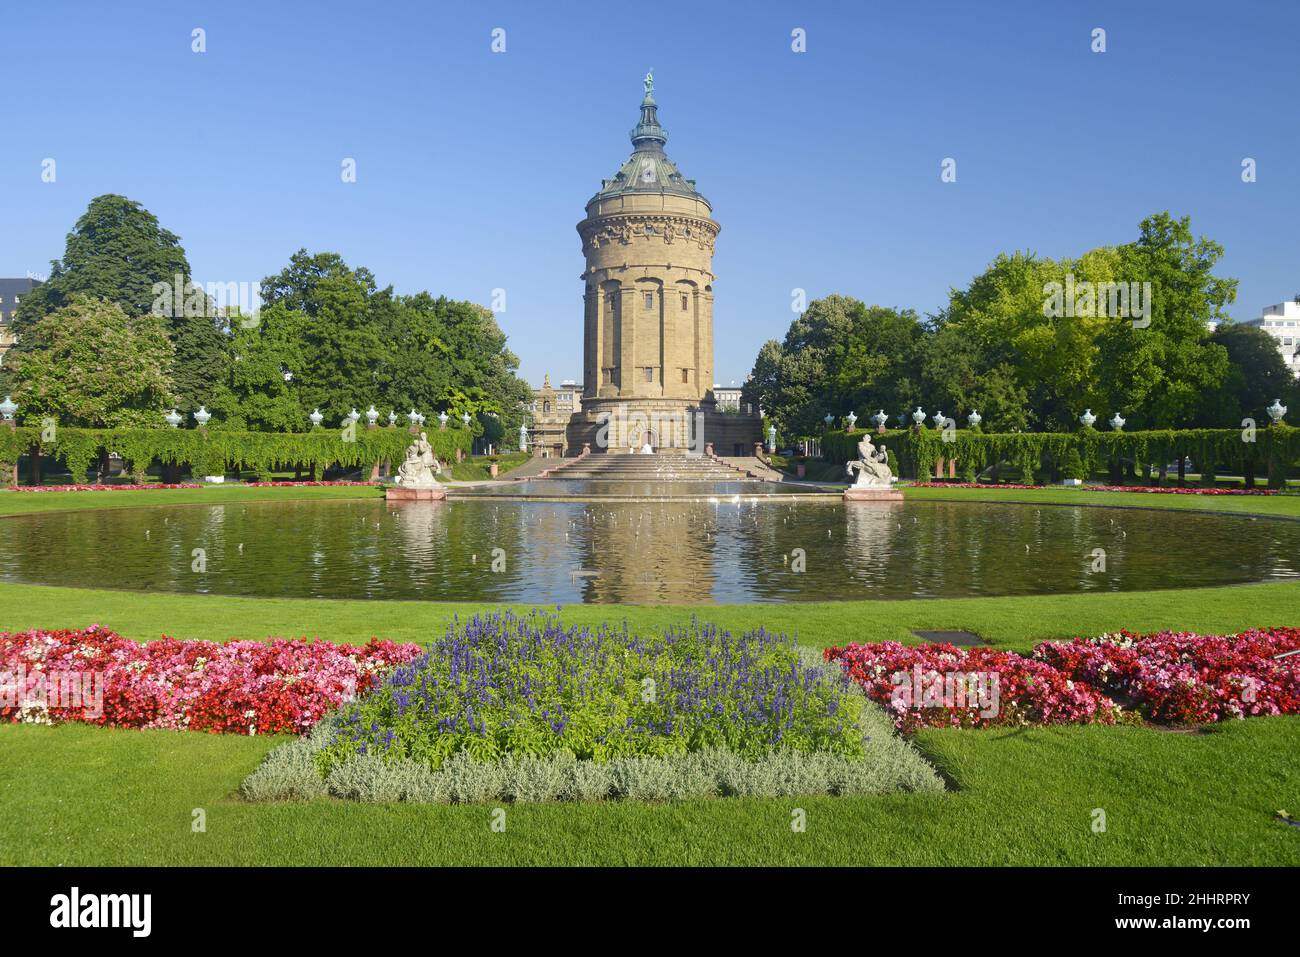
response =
{"points": [[755, 541], [648, 553], [547, 548]]}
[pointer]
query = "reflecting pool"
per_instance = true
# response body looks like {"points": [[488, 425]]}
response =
{"points": [[688, 552]]}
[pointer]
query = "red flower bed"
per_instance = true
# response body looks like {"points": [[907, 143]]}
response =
{"points": [[1007, 485], [1157, 489], [1180, 677], [242, 687], [1177, 490], [300, 484], [922, 686], [100, 488], [158, 485], [1166, 677]]}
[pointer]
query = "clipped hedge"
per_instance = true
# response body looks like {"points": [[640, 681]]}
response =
{"points": [[1275, 448], [213, 451]]}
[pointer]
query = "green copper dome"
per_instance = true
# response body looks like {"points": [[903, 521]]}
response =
{"points": [[648, 169]]}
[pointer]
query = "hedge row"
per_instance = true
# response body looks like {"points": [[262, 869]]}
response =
{"points": [[212, 451], [1271, 450]]}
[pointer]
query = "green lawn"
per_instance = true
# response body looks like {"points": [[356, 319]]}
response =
{"points": [[1282, 506], [79, 795], [19, 503], [1015, 623], [475, 468]]}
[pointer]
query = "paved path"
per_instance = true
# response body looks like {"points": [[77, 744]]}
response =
{"points": [[751, 463], [534, 466]]}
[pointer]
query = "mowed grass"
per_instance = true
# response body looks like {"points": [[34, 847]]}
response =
{"points": [[477, 468], [1285, 505], [75, 795], [80, 795], [23, 503], [1016, 623]]}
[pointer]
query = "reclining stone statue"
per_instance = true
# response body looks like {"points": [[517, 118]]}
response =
{"points": [[871, 467], [421, 465]]}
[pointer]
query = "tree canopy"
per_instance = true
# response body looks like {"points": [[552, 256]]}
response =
{"points": [[119, 252], [329, 338], [1029, 343], [92, 365]]}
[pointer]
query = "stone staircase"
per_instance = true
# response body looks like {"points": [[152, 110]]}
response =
{"points": [[627, 467]]}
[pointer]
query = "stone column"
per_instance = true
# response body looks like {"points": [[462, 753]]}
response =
{"points": [[628, 385]]}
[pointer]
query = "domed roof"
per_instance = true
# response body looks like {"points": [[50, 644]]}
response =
{"points": [[648, 169]]}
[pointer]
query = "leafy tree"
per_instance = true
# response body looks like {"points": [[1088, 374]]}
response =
{"points": [[323, 307], [94, 366], [1257, 374], [880, 361], [264, 394], [960, 378], [838, 355], [763, 388], [328, 338], [452, 355], [118, 251], [1154, 366], [1163, 369], [1044, 359]]}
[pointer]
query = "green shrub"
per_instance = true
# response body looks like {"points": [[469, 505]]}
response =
{"points": [[1072, 466]]}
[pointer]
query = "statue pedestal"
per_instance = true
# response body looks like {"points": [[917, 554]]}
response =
{"points": [[852, 494], [395, 493]]}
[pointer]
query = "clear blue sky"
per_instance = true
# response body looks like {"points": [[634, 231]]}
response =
{"points": [[822, 167]]}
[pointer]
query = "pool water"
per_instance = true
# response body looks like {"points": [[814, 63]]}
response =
{"points": [[642, 552]]}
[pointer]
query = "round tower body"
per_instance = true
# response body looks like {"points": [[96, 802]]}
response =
{"points": [[647, 241]]}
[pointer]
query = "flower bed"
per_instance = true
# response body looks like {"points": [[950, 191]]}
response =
{"points": [[1177, 677], [1167, 678], [1180, 490], [522, 708], [101, 487], [527, 685], [287, 484], [1156, 489], [166, 485], [241, 687], [1005, 485], [941, 685]]}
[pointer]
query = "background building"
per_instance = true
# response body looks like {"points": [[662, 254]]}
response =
{"points": [[552, 409], [727, 396], [10, 292], [648, 240], [1282, 322]]}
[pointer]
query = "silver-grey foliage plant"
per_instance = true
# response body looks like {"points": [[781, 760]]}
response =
{"points": [[887, 764]]}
